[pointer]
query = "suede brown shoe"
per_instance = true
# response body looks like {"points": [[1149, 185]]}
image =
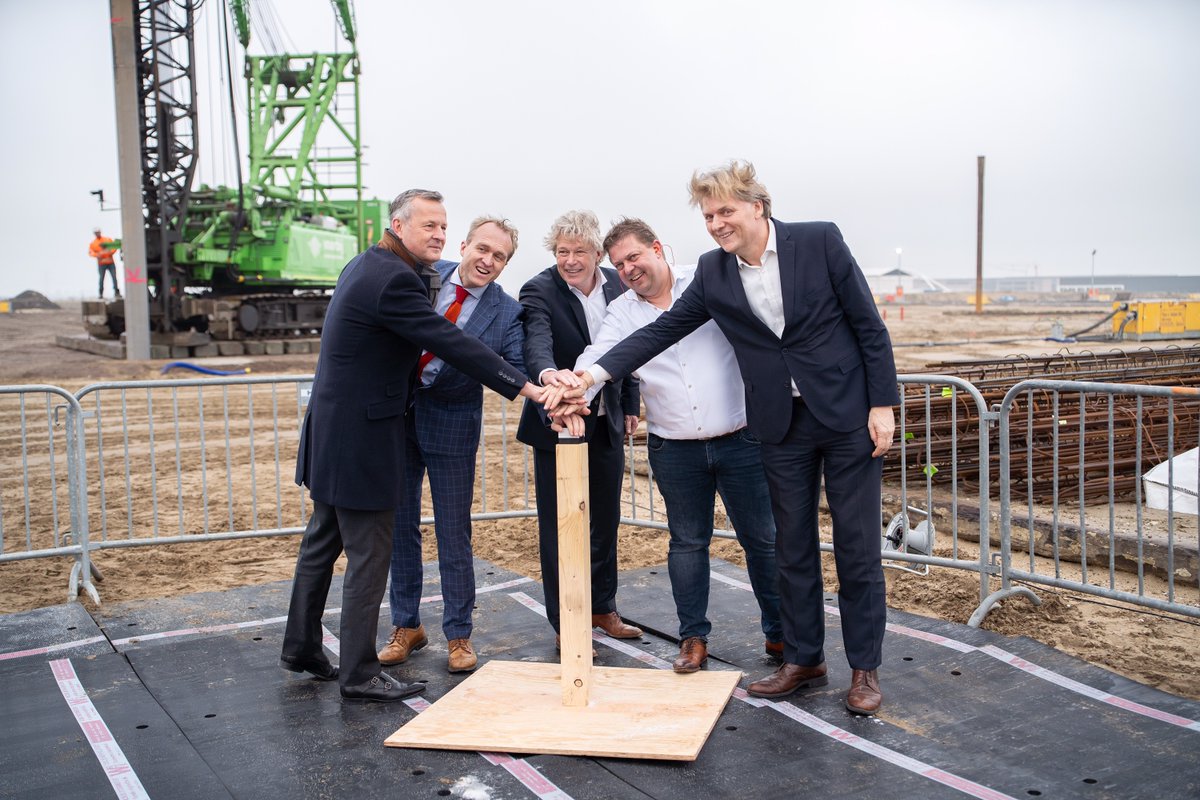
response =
{"points": [[693, 652], [774, 650], [462, 657], [864, 696], [787, 679], [404, 642], [611, 624]]}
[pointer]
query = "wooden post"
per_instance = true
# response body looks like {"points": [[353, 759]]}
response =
{"points": [[574, 572]]}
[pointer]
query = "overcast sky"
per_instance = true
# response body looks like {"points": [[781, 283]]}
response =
{"points": [[865, 112]]}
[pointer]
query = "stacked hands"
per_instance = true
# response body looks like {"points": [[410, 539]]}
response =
{"points": [[564, 396]]}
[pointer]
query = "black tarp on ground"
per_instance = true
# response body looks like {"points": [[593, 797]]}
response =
{"points": [[222, 719]]}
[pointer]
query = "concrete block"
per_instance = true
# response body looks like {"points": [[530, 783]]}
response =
{"points": [[205, 350], [296, 346], [254, 347], [179, 351], [231, 348], [274, 348], [160, 351]]}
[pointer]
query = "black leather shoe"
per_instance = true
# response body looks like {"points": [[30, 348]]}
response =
{"points": [[383, 688], [320, 668]]}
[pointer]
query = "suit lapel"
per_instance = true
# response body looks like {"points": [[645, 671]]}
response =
{"points": [[484, 313], [731, 275], [572, 303], [786, 249]]}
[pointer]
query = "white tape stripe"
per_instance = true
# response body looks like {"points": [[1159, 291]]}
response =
{"points": [[1096, 694], [877, 750], [254, 623], [815, 723], [112, 759], [541, 786], [231, 626], [51, 648], [1012, 660]]}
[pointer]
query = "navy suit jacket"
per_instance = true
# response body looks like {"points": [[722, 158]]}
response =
{"points": [[556, 332], [351, 451], [448, 412], [834, 344]]}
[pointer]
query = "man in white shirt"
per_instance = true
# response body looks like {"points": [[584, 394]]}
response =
{"points": [[698, 442]]}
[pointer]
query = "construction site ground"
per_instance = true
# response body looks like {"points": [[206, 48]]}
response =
{"points": [[1152, 648]]}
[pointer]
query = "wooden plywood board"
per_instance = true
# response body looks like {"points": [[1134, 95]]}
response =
{"points": [[517, 707]]}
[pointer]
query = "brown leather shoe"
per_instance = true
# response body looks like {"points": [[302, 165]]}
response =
{"points": [[404, 642], [864, 696], [787, 679], [611, 624], [462, 657], [558, 645], [693, 652], [774, 649]]}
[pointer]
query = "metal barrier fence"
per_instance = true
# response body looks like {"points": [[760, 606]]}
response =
{"points": [[170, 461], [1047, 435], [42, 480]]}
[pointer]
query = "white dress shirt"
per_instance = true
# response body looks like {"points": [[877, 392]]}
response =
{"points": [[764, 290], [594, 309], [693, 389], [444, 300]]}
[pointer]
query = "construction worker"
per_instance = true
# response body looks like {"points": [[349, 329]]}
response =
{"points": [[102, 250]]}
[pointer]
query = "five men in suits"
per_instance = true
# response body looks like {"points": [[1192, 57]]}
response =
{"points": [[443, 428], [352, 443], [564, 306], [698, 444], [820, 383]]}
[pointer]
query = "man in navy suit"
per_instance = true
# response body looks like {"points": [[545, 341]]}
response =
{"points": [[564, 307], [443, 437], [820, 379], [351, 454]]}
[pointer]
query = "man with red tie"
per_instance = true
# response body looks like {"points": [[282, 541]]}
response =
{"points": [[443, 428]]}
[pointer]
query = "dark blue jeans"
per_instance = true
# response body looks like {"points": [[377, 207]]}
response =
{"points": [[689, 473]]}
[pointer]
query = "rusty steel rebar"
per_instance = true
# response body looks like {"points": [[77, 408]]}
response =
{"points": [[1047, 427]]}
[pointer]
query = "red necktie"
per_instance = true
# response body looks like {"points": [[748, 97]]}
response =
{"points": [[460, 294]]}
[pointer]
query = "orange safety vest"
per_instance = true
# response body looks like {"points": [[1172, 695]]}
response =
{"points": [[96, 250]]}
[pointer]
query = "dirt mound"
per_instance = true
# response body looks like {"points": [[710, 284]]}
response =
{"points": [[29, 300]]}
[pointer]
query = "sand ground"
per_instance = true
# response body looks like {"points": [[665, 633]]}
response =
{"points": [[1155, 648]]}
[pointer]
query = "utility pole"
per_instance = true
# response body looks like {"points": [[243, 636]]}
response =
{"points": [[979, 245], [1093, 272], [129, 167]]}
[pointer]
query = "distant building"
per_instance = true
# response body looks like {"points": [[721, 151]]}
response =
{"points": [[898, 282], [1136, 285]]}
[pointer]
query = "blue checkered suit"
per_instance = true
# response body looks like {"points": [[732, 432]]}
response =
{"points": [[443, 436]]}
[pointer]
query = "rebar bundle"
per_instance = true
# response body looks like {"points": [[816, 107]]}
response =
{"points": [[1068, 445]]}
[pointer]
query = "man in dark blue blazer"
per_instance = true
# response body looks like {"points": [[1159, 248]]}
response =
{"points": [[564, 306], [351, 454], [820, 379], [443, 437]]}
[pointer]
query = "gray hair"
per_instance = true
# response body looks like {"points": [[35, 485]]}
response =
{"points": [[501, 223], [401, 207], [734, 181], [582, 225]]}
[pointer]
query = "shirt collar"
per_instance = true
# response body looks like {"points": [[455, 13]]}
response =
{"points": [[474, 291], [769, 249], [600, 281]]}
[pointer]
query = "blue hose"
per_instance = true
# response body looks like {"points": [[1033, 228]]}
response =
{"points": [[205, 370]]}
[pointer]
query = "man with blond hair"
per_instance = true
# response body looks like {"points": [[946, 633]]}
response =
{"points": [[564, 307], [698, 442], [443, 427], [820, 382]]}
